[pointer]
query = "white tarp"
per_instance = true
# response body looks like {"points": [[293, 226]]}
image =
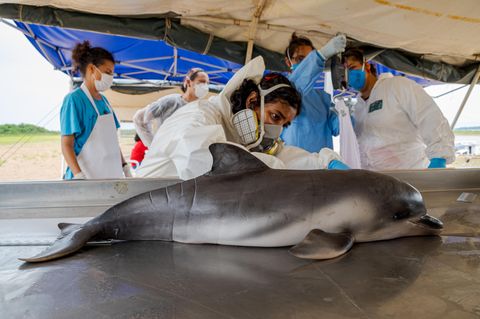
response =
{"points": [[446, 29]]}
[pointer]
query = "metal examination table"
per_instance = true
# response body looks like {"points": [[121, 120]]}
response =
{"points": [[422, 277]]}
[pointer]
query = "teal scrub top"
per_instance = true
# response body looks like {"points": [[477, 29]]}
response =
{"points": [[78, 117]]}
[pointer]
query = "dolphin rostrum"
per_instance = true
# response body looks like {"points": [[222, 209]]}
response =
{"points": [[242, 202]]}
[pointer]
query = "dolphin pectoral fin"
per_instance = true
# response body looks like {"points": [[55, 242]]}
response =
{"points": [[65, 245], [321, 245]]}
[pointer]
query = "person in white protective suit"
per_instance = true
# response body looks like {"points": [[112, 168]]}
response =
{"points": [[149, 119], [250, 111], [398, 125]]}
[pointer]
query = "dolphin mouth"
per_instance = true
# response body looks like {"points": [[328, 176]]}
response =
{"points": [[429, 222]]}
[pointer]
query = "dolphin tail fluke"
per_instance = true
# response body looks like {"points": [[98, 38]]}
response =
{"points": [[71, 240], [67, 228], [322, 245]]}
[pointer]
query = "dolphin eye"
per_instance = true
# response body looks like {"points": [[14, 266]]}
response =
{"points": [[401, 215]]}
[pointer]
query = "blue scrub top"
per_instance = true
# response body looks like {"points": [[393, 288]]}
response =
{"points": [[313, 129], [78, 117]]}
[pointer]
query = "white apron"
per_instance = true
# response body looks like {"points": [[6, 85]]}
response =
{"points": [[100, 156]]}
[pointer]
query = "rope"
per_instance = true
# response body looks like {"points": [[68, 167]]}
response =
{"points": [[27, 136]]}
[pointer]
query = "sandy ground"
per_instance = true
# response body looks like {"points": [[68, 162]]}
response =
{"points": [[40, 159]]}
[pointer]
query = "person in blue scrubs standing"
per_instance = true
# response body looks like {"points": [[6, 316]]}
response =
{"points": [[313, 129], [88, 125]]}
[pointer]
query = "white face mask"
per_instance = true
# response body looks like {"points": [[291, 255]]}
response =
{"points": [[249, 129], [201, 90], [104, 83]]}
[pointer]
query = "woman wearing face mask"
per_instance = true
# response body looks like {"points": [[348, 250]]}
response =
{"points": [[149, 119], [250, 111], [88, 124]]}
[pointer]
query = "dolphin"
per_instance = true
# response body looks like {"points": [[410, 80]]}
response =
{"points": [[242, 202]]}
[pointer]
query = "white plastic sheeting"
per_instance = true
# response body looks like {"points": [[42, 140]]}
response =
{"points": [[443, 30]]}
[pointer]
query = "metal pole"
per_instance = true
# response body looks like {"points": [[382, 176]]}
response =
{"points": [[40, 45], [253, 29], [451, 91], [175, 61], [465, 99], [142, 68]]}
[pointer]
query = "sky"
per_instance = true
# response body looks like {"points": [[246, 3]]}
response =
{"points": [[31, 91]]}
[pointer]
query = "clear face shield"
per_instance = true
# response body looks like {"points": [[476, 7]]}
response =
{"points": [[254, 134]]}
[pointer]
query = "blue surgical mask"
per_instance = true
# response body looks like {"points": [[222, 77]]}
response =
{"points": [[357, 79], [292, 66]]}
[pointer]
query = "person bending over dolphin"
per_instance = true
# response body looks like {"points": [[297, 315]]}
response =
{"points": [[250, 111]]}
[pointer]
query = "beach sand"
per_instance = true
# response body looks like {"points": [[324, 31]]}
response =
{"points": [[40, 159]]}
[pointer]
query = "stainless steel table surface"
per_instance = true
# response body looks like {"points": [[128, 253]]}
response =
{"points": [[421, 277]]}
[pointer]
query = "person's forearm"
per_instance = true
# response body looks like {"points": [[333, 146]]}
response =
{"points": [[69, 154]]}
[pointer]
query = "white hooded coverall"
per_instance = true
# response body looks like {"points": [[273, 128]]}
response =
{"points": [[180, 146], [151, 117], [401, 127]]}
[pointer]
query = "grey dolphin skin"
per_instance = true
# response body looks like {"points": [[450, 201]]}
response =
{"points": [[242, 202]]}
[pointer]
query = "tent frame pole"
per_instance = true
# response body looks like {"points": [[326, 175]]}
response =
{"points": [[203, 63], [40, 45], [38, 40], [465, 99], [142, 68], [175, 61], [161, 58], [252, 30]]}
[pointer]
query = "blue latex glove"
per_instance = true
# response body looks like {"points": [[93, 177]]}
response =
{"points": [[335, 164], [438, 163]]}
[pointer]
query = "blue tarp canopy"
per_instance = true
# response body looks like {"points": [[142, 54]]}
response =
{"points": [[140, 59], [137, 59]]}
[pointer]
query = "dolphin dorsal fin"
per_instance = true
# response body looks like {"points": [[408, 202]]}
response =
{"points": [[231, 159]]}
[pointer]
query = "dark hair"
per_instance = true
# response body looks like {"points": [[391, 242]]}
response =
{"points": [[288, 95], [357, 55], [83, 54], [192, 75], [296, 42], [137, 138]]}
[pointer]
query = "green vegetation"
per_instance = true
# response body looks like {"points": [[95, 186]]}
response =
{"points": [[25, 133], [20, 139], [465, 132], [23, 129]]}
